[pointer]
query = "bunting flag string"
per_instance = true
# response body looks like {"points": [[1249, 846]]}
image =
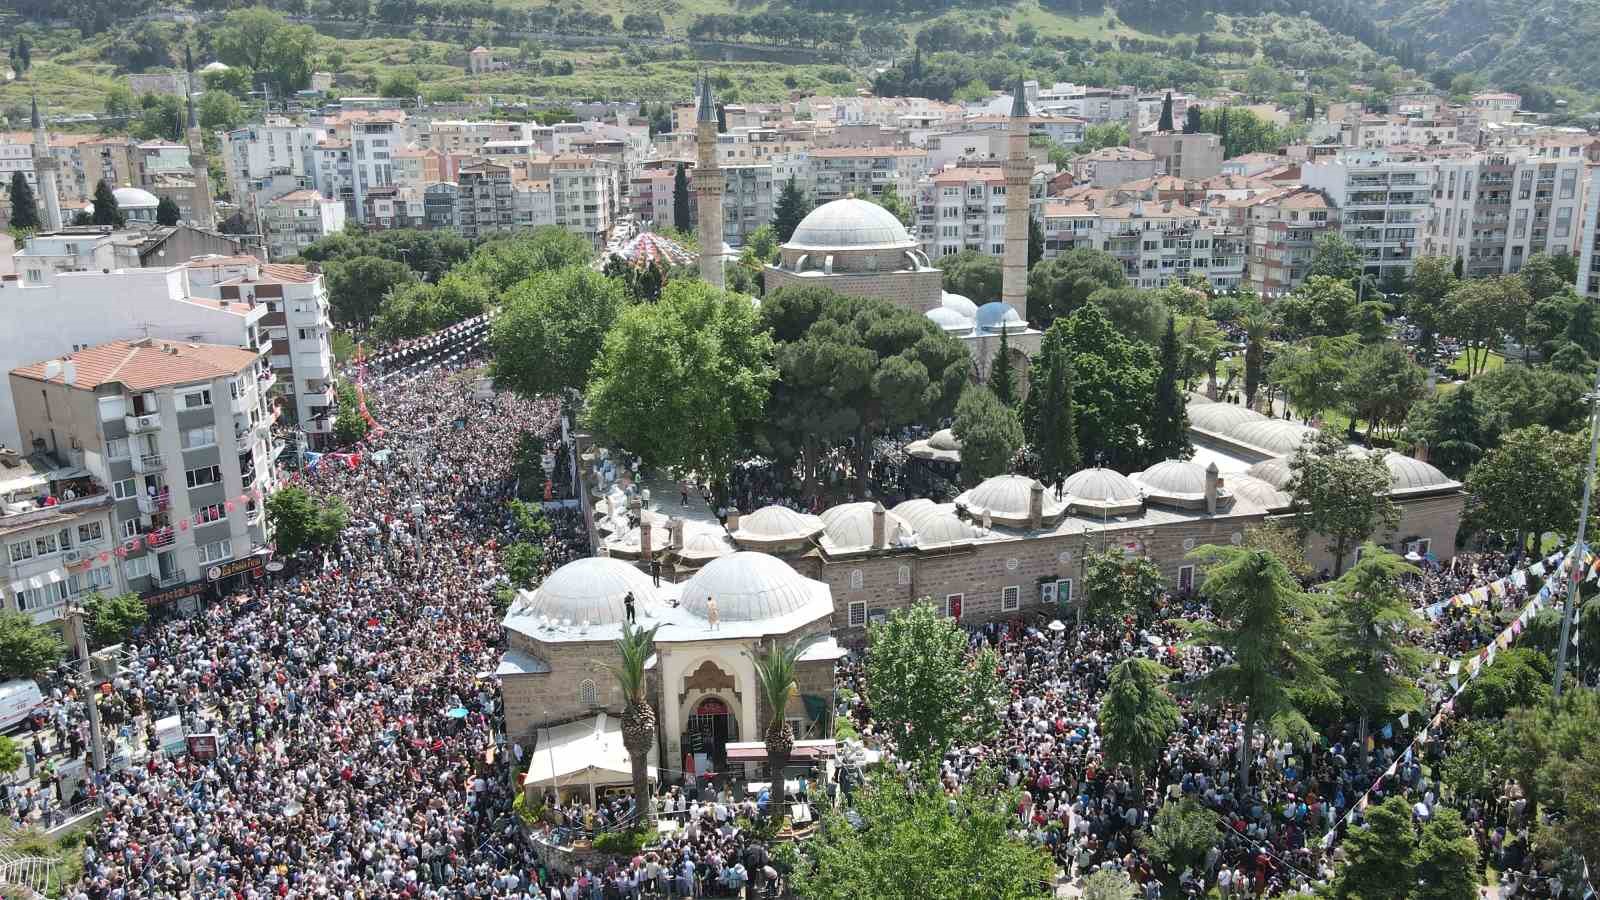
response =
{"points": [[1501, 586], [1562, 564]]}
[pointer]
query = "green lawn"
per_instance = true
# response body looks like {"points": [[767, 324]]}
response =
{"points": [[1495, 361]]}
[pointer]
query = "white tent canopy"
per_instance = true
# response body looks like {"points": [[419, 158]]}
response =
{"points": [[586, 752]]}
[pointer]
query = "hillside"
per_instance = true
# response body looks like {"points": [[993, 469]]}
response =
{"points": [[1548, 43]]}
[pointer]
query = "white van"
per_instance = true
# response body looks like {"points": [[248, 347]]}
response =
{"points": [[18, 699]]}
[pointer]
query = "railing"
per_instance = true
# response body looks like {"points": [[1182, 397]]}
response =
{"points": [[149, 505], [146, 422], [160, 538], [171, 579], [147, 463], [29, 875]]}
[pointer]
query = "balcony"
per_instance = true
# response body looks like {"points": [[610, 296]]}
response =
{"points": [[137, 424], [149, 505], [147, 463], [247, 477], [171, 579], [265, 382], [242, 402]]}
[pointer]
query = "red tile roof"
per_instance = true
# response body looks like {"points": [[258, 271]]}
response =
{"points": [[145, 364]]}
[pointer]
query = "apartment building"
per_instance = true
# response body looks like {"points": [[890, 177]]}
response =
{"points": [[1284, 227], [1493, 211], [395, 206], [336, 174], [373, 142], [1156, 242], [747, 198], [1385, 205], [298, 219], [298, 324], [1588, 283], [484, 203], [962, 208], [1113, 166], [650, 194], [1186, 155], [439, 205], [57, 534], [839, 172], [587, 195], [181, 432], [461, 136]]}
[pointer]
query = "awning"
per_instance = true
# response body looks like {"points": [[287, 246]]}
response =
{"points": [[804, 751], [582, 752]]}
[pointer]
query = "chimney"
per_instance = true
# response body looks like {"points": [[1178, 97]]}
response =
{"points": [[1420, 451], [880, 526], [1213, 482], [675, 533], [1035, 504], [646, 546], [733, 519]]}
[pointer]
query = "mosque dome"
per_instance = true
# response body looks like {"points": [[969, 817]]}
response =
{"points": [[1407, 475], [1102, 492], [913, 510], [939, 526], [1177, 482], [130, 198], [772, 525], [1259, 492], [1006, 499], [1275, 472], [941, 446], [996, 317], [1220, 418], [958, 303], [949, 320], [588, 590], [1275, 436], [850, 224], [849, 526], [755, 587]]}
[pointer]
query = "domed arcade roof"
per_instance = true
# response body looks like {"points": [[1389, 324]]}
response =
{"points": [[941, 446], [949, 320], [958, 303], [755, 587], [1275, 471], [851, 224], [1176, 482], [587, 590], [1408, 475], [135, 198], [996, 317], [775, 525], [1261, 493], [1220, 417], [1006, 499], [849, 527], [1102, 492]]}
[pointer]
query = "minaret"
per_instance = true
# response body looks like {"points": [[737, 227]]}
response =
{"points": [[200, 200], [708, 188], [1019, 173], [44, 172]]}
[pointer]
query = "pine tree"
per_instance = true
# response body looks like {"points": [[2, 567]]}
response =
{"points": [[680, 200], [1170, 426], [1165, 125], [722, 119], [1192, 122], [1047, 412], [1311, 108], [24, 208], [1222, 131], [106, 211], [1002, 373], [793, 206], [167, 212], [1035, 242]]}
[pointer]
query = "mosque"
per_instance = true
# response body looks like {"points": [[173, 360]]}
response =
{"points": [[1006, 548]]}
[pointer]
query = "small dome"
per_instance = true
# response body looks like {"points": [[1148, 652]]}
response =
{"points": [[135, 198], [939, 526], [1275, 472], [942, 446], [1102, 492], [1275, 436], [949, 320], [1006, 499], [215, 65], [1220, 418], [755, 587], [849, 527], [851, 224], [702, 544], [958, 303], [1177, 482], [588, 590], [944, 439], [913, 510], [997, 317], [1407, 474], [1261, 493], [777, 524]]}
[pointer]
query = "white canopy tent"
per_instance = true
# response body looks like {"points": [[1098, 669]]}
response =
{"points": [[586, 752]]}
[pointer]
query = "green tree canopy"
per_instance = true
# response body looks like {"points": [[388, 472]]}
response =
{"points": [[1479, 312], [551, 330], [1117, 584], [1379, 863], [971, 274], [1169, 425], [1180, 835], [501, 263], [111, 620], [357, 286], [26, 649], [1048, 411], [301, 521], [24, 208], [679, 381], [1432, 281], [1337, 258], [1137, 716], [1113, 390], [989, 433], [1057, 287], [1382, 384], [1530, 484], [1340, 494], [927, 692], [1139, 314], [791, 207], [1323, 306], [167, 212], [219, 110], [106, 210]]}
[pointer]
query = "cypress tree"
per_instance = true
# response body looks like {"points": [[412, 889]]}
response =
{"points": [[167, 212], [1191, 121], [1169, 427], [1311, 108], [106, 211], [24, 208], [1048, 417], [1002, 373], [792, 207], [1165, 125], [680, 200]]}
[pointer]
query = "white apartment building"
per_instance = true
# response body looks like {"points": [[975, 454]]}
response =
{"points": [[57, 535], [181, 432], [277, 153], [964, 208], [336, 173], [373, 142], [747, 199], [484, 201], [297, 322], [1493, 211], [587, 195], [1156, 241], [1589, 241], [838, 172], [1113, 166], [1385, 205], [296, 220]]}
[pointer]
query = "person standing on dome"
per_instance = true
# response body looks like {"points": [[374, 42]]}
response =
{"points": [[711, 612]]}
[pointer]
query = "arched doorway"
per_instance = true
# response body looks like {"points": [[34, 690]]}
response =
{"points": [[710, 728]]}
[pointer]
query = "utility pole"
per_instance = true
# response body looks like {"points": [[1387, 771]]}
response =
{"points": [[1570, 609], [81, 642]]}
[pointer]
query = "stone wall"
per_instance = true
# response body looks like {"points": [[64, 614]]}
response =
{"points": [[917, 291], [1435, 519], [534, 700]]}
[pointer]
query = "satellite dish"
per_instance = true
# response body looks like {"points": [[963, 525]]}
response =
{"points": [[69, 373], [52, 369]]}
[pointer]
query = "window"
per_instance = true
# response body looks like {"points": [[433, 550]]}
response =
{"points": [[856, 580], [194, 438], [1563, 222], [216, 551], [588, 693], [905, 576], [208, 514], [197, 399], [44, 544], [1064, 590], [952, 605], [858, 613], [203, 476], [117, 448], [1569, 184], [1010, 599], [89, 532], [130, 528], [1186, 578], [137, 567], [90, 580], [21, 550], [1420, 546]]}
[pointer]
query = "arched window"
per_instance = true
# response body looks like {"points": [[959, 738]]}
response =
{"points": [[588, 693], [905, 575], [856, 580]]}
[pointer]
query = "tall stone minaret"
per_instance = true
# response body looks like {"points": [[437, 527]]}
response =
{"points": [[200, 204], [44, 172], [1019, 172], [708, 187]]}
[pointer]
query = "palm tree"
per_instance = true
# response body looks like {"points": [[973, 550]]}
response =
{"points": [[775, 680], [1257, 325], [634, 648]]}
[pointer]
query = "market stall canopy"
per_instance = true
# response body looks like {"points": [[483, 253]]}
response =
{"points": [[588, 750]]}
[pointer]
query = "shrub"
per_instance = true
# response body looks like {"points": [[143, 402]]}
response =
{"points": [[621, 843]]}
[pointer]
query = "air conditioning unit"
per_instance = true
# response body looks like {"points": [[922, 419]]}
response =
{"points": [[73, 556]]}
